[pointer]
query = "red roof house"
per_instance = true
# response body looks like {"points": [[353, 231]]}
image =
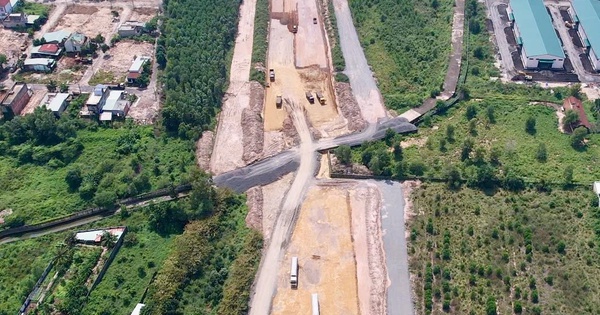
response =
{"points": [[573, 103]]}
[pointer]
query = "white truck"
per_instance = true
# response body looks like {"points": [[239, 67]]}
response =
{"points": [[294, 273]]}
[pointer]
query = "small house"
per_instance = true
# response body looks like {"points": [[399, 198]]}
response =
{"points": [[75, 42], [572, 103], [58, 37], [39, 64], [131, 28], [116, 106], [96, 100], [16, 98], [94, 237], [57, 103], [137, 68], [46, 51], [6, 7], [15, 20]]}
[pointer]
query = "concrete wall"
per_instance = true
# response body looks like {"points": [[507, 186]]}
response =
{"points": [[107, 263]]}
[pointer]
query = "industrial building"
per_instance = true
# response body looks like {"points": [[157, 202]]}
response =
{"points": [[534, 33], [586, 15]]}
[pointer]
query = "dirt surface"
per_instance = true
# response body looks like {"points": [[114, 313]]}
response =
{"points": [[15, 39], [142, 14], [408, 187], [310, 39], [228, 149], [418, 142], [349, 107], [34, 102], [254, 201], [89, 20], [453, 73], [204, 148], [122, 55], [271, 207], [322, 241], [252, 124]]}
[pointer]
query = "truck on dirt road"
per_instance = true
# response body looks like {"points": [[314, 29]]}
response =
{"points": [[320, 97], [278, 101], [294, 273], [310, 97], [272, 75]]}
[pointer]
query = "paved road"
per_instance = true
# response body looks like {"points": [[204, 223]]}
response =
{"points": [[357, 69], [507, 66], [399, 300]]}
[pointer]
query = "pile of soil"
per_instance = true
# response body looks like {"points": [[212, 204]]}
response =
{"points": [[290, 135], [349, 107], [204, 148], [254, 201], [252, 124]]}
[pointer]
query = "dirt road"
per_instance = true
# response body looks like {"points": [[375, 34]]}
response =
{"points": [[458, 25], [357, 69], [228, 149], [266, 278]]}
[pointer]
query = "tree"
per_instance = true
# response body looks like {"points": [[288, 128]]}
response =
{"points": [[473, 127], [74, 179], [575, 91], [450, 133], [578, 137], [108, 240], [474, 26], [596, 108], [467, 147], [453, 178], [490, 306], [51, 86], [535, 298], [390, 134], [478, 53], [530, 125], [343, 154], [542, 154], [398, 152], [560, 248], [490, 113], [495, 154], [568, 175], [443, 144], [99, 39], [518, 308], [417, 168], [64, 87], [571, 117], [104, 47], [105, 199], [471, 112]]}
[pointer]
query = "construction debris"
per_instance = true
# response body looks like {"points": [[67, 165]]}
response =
{"points": [[252, 124], [254, 201], [349, 107]]}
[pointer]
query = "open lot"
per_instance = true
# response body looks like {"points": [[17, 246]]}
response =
{"points": [[11, 43], [120, 57], [34, 101], [89, 20], [322, 241], [143, 14]]}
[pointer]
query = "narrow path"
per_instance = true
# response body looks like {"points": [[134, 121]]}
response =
{"points": [[399, 297]]}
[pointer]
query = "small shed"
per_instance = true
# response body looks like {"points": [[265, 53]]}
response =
{"points": [[138, 309], [56, 103], [572, 103]]}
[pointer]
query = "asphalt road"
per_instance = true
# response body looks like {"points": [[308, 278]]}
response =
{"points": [[399, 301]]}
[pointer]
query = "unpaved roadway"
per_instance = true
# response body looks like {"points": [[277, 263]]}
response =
{"points": [[357, 69]]}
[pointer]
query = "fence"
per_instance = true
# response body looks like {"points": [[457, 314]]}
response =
{"points": [[94, 211], [113, 253], [36, 287]]}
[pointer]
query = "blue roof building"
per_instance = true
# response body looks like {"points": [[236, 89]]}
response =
{"points": [[587, 13], [540, 46]]}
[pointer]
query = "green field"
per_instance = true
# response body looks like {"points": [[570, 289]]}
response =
{"points": [[407, 43], [533, 249]]}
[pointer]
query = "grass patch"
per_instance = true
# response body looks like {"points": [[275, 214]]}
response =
{"points": [[105, 77], [532, 249], [33, 8], [260, 41], [407, 44]]}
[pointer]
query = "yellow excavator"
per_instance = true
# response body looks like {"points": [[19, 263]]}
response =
{"points": [[527, 77]]}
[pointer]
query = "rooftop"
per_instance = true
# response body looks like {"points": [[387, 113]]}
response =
{"points": [[4, 2], [114, 102], [575, 104], [38, 61], [57, 101], [106, 116], [96, 235], [588, 12], [538, 34], [138, 309], [15, 91], [138, 63], [57, 36], [77, 38], [46, 49], [95, 97]]}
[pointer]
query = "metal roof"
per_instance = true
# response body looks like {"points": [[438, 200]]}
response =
{"points": [[138, 309], [114, 102], [138, 63], [588, 12], [57, 102], [538, 34], [57, 36], [38, 61]]}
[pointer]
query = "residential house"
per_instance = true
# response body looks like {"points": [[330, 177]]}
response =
{"points": [[136, 69], [46, 51], [131, 28], [57, 103], [16, 98], [96, 100], [39, 64], [6, 7], [572, 103], [116, 106], [15, 20], [75, 42], [94, 237], [58, 37]]}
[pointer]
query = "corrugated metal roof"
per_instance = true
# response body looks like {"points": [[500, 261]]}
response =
{"points": [[588, 12], [138, 63], [538, 34], [57, 102], [57, 36], [38, 61]]}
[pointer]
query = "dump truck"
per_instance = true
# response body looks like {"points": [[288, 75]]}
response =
{"points": [[295, 29], [294, 273], [310, 97], [278, 101], [272, 75], [320, 97]]}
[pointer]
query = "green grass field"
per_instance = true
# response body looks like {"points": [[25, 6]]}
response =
{"points": [[407, 44], [467, 246]]}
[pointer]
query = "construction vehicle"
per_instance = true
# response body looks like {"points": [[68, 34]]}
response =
{"points": [[272, 75], [526, 76], [278, 101], [294, 273], [294, 29], [568, 24], [310, 97], [320, 97], [314, 20]]}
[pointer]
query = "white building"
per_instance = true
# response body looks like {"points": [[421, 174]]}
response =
{"points": [[587, 14], [57, 103], [534, 32], [116, 106]]}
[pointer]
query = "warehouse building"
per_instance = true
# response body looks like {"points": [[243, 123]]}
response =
{"points": [[540, 46], [586, 13]]}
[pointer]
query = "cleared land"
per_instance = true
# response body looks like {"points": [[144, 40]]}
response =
{"points": [[122, 55], [89, 20]]}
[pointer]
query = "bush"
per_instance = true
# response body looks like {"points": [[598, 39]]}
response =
{"points": [[343, 154]]}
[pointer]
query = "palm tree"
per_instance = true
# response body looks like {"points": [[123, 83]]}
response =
{"points": [[108, 240]]}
